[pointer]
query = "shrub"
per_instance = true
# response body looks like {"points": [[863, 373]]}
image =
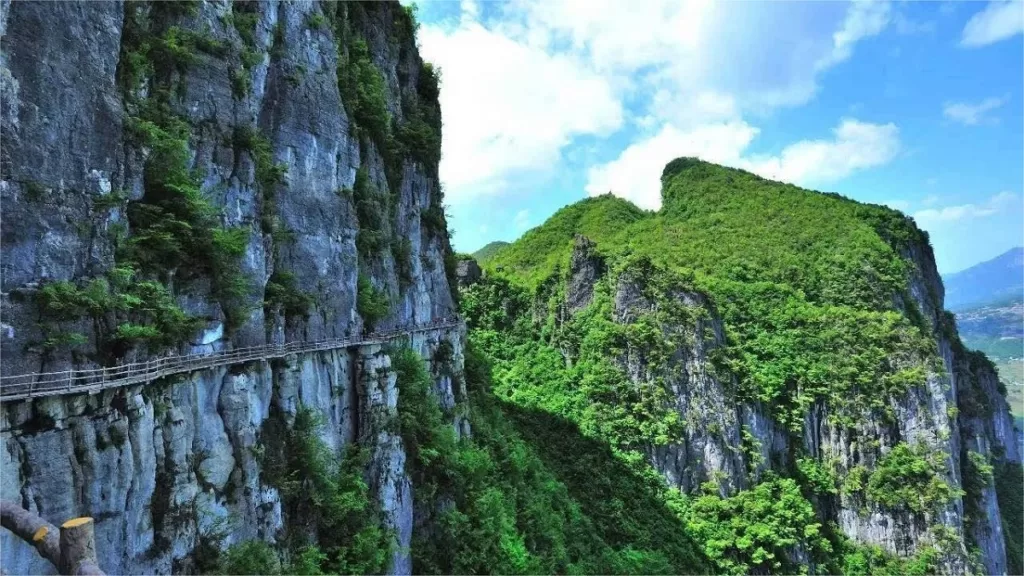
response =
{"points": [[372, 304], [401, 253], [241, 83], [328, 499], [752, 530], [371, 211], [254, 557], [282, 293], [315, 20], [910, 477]]}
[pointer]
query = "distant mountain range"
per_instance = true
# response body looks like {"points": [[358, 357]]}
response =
{"points": [[487, 252], [999, 280], [988, 299]]}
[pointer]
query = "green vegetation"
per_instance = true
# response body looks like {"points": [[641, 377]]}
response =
{"points": [[1009, 482], [176, 235], [268, 173], [332, 525], [910, 477], [282, 294], [372, 210], [813, 295], [751, 531], [873, 561], [252, 557], [122, 311], [515, 504], [807, 301], [372, 303], [364, 92], [483, 255], [175, 229]]}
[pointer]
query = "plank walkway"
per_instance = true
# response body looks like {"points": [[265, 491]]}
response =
{"points": [[23, 386]]}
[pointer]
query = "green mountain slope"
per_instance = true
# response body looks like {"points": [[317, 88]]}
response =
{"points": [[797, 289], [487, 252], [761, 346]]}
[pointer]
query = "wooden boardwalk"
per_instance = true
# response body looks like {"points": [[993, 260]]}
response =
{"points": [[22, 386]]}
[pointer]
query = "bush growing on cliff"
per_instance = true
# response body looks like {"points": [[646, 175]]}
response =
{"points": [[326, 498], [755, 530], [283, 294], [364, 92], [123, 311], [1009, 482], [910, 477], [372, 304]]}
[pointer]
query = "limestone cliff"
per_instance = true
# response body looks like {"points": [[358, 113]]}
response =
{"points": [[187, 177], [959, 414]]}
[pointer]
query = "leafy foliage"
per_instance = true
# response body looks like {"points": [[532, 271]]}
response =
{"points": [[325, 498], [1009, 484], [751, 531], [124, 313], [372, 209], [251, 557], [910, 477], [373, 304], [807, 301], [174, 227], [283, 294], [514, 504], [489, 251]]}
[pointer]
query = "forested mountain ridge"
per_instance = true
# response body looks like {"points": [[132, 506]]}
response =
{"points": [[757, 343], [755, 378]]}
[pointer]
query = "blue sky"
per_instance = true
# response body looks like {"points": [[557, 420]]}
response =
{"points": [[917, 105]]}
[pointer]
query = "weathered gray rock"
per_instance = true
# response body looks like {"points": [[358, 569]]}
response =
{"points": [[156, 464], [586, 266], [958, 410], [468, 272]]}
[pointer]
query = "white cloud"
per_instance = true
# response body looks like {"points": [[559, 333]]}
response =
{"points": [[907, 26], [636, 173], [971, 114], [509, 107], [865, 18], [522, 220], [998, 21], [930, 200], [524, 81], [934, 217], [856, 146]]}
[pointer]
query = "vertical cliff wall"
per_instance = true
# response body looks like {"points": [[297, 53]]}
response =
{"points": [[195, 176]]}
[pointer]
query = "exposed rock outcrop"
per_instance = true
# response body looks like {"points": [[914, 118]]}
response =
{"points": [[468, 272], [326, 195], [732, 442]]}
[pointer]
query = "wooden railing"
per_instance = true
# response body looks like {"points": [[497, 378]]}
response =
{"points": [[21, 386]]}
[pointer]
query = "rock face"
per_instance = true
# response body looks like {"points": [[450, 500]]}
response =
{"points": [[70, 154], [959, 415], [468, 272], [327, 189], [155, 465], [585, 267]]}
